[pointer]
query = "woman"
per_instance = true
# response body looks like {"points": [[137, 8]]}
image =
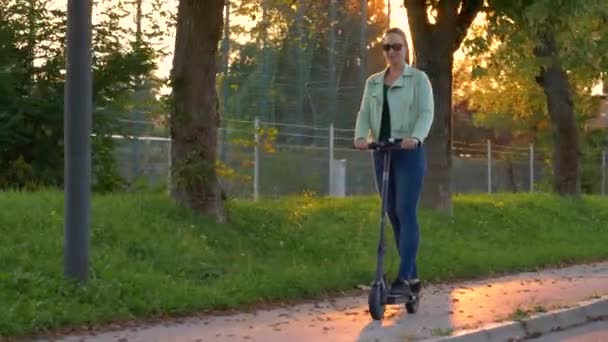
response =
{"points": [[398, 103]]}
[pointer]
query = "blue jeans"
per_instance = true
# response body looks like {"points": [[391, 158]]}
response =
{"points": [[407, 168]]}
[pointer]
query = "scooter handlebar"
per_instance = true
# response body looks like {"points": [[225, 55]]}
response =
{"points": [[394, 144]]}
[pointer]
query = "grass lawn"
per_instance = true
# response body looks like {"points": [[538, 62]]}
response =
{"points": [[151, 258]]}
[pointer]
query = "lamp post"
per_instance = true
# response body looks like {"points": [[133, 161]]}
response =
{"points": [[77, 136]]}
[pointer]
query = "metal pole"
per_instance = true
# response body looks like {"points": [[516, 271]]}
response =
{"points": [[603, 172], [389, 14], [77, 135], [363, 43], [225, 54], [489, 167], [256, 159], [139, 96], [169, 163], [225, 62], [333, 80], [531, 167], [331, 159]]}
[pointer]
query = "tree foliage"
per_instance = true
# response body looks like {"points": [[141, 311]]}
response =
{"points": [[292, 73], [534, 66], [32, 64]]}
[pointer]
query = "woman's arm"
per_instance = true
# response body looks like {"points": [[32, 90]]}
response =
{"points": [[425, 108], [362, 124]]}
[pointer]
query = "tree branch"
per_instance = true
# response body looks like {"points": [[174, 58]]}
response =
{"points": [[467, 14]]}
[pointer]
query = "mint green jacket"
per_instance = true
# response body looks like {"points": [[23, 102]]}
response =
{"points": [[410, 100]]}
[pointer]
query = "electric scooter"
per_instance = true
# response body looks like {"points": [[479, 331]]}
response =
{"points": [[379, 295]]}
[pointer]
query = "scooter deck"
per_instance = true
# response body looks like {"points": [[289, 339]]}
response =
{"points": [[392, 299]]}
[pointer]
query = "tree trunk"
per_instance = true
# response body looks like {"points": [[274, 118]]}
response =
{"points": [[566, 149], [434, 47], [437, 192], [194, 116], [511, 174], [566, 155], [138, 16]]}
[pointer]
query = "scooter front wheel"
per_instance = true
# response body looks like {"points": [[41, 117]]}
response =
{"points": [[376, 303]]}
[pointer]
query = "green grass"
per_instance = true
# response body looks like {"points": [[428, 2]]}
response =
{"points": [[151, 258]]}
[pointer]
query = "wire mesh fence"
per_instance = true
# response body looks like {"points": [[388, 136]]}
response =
{"points": [[260, 159]]}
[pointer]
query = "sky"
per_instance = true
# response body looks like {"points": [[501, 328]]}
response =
{"points": [[399, 15]]}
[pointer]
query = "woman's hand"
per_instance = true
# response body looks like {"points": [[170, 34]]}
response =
{"points": [[361, 144], [410, 143]]}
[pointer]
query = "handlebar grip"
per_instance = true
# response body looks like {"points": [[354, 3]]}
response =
{"points": [[394, 144]]}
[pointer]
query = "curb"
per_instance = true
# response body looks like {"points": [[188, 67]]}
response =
{"points": [[536, 325]]}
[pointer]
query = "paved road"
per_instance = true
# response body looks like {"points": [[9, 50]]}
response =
{"points": [[592, 332], [444, 309]]}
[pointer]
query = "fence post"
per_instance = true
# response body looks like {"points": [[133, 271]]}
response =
{"points": [[339, 186], [256, 159], [331, 159], [532, 167], [136, 149], [604, 172], [489, 166]]}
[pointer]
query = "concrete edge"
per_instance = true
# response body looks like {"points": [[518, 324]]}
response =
{"points": [[536, 325]]}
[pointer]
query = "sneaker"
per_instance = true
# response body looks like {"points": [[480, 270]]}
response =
{"points": [[400, 288], [415, 285]]}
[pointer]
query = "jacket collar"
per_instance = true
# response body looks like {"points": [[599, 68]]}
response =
{"points": [[407, 71]]}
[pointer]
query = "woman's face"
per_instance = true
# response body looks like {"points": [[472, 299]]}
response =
{"points": [[394, 49]]}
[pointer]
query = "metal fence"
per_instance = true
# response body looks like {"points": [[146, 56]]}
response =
{"points": [[262, 160]]}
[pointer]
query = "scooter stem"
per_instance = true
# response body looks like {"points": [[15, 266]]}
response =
{"points": [[384, 196]]}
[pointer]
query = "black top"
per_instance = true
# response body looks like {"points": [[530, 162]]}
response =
{"points": [[385, 126]]}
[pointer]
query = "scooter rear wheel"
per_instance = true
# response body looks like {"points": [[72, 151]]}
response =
{"points": [[376, 304], [412, 306]]}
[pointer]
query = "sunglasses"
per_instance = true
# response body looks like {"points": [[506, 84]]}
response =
{"points": [[396, 47]]}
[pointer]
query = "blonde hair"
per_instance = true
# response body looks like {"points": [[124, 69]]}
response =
{"points": [[396, 31]]}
